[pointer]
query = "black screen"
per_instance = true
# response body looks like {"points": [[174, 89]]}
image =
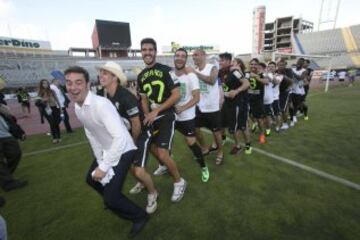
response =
{"points": [[113, 34]]}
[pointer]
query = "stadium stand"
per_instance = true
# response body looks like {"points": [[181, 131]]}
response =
{"points": [[341, 44]]}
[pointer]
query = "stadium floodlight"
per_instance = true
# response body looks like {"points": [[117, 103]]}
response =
{"points": [[276, 54]]}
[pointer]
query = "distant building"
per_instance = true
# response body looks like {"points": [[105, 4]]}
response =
{"points": [[278, 34], [258, 30]]}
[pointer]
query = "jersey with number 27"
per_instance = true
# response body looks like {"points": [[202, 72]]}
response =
{"points": [[157, 83]]}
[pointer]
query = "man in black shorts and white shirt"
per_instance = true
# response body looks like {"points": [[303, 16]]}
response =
{"points": [[159, 93], [185, 108], [111, 79], [208, 110]]}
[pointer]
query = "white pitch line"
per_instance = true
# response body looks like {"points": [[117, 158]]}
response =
{"points": [[303, 167], [53, 149]]}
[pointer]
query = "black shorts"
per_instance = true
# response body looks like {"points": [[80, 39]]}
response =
{"points": [[235, 116], [211, 120], [268, 110], [256, 106], [284, 100], [186, 128], [161, 133], [297, 99], [276, 107]]}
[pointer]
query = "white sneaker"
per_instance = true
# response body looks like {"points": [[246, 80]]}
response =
{"points": [[284, 126], [292, 124], [161, 170], [295, 119], [179, 190], [152, 203], [137, 188]]}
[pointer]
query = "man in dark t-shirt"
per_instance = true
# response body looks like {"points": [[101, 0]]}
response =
{"points": [[111, 79], [256, 96], [284, 88], [159, 93]]}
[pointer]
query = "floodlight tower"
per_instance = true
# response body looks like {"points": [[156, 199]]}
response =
{"points": [[330, 10]]}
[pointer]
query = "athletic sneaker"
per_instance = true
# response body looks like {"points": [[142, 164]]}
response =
{"points": [[306, 118], [248, 150], [295, 119], [161, 170], [137, 188], [179, 190], [267, 132], [235, 150], [284, 126], [152, 203], [262, 139], [205, 175]]}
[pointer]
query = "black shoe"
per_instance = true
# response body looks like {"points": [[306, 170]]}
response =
{"points": [[14, 185], [138, 225], [2, 201]]}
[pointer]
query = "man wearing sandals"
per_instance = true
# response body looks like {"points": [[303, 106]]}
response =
{"points": [[208, 110]]}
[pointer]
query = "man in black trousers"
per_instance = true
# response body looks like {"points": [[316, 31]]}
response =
{"points": [[112, 146]]}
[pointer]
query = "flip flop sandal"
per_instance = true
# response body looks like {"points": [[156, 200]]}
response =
{"points": [[219, 160]]}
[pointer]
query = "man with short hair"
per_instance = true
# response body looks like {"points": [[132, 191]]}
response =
{"points": [[185, 108], [235, 109], [298, 91], [112, 146], [284, 88], [55, 86], [208, 109], [256, 96], [159, 94]]}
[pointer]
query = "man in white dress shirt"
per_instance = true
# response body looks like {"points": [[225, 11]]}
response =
{"points": [[112, 146]]}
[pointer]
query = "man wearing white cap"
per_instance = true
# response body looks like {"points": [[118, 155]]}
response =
{"points": [[111, 78]]}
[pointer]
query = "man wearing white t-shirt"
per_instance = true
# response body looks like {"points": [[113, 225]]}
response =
{"points": [[208, 109], [298, 91], [275, 79], [185, 108]]}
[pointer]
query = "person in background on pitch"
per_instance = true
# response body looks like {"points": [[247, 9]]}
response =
{"points": [[51, 107], [64, 103]]}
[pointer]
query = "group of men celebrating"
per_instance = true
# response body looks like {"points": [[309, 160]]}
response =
{"points": [[123, 128]]}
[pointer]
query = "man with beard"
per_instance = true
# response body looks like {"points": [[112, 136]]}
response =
{"points": [[298, 95], [256, 96], [185, 108], [284, 88], [159, 93]]}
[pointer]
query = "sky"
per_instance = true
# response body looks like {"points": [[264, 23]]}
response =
{"points": [[226, 23]]}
